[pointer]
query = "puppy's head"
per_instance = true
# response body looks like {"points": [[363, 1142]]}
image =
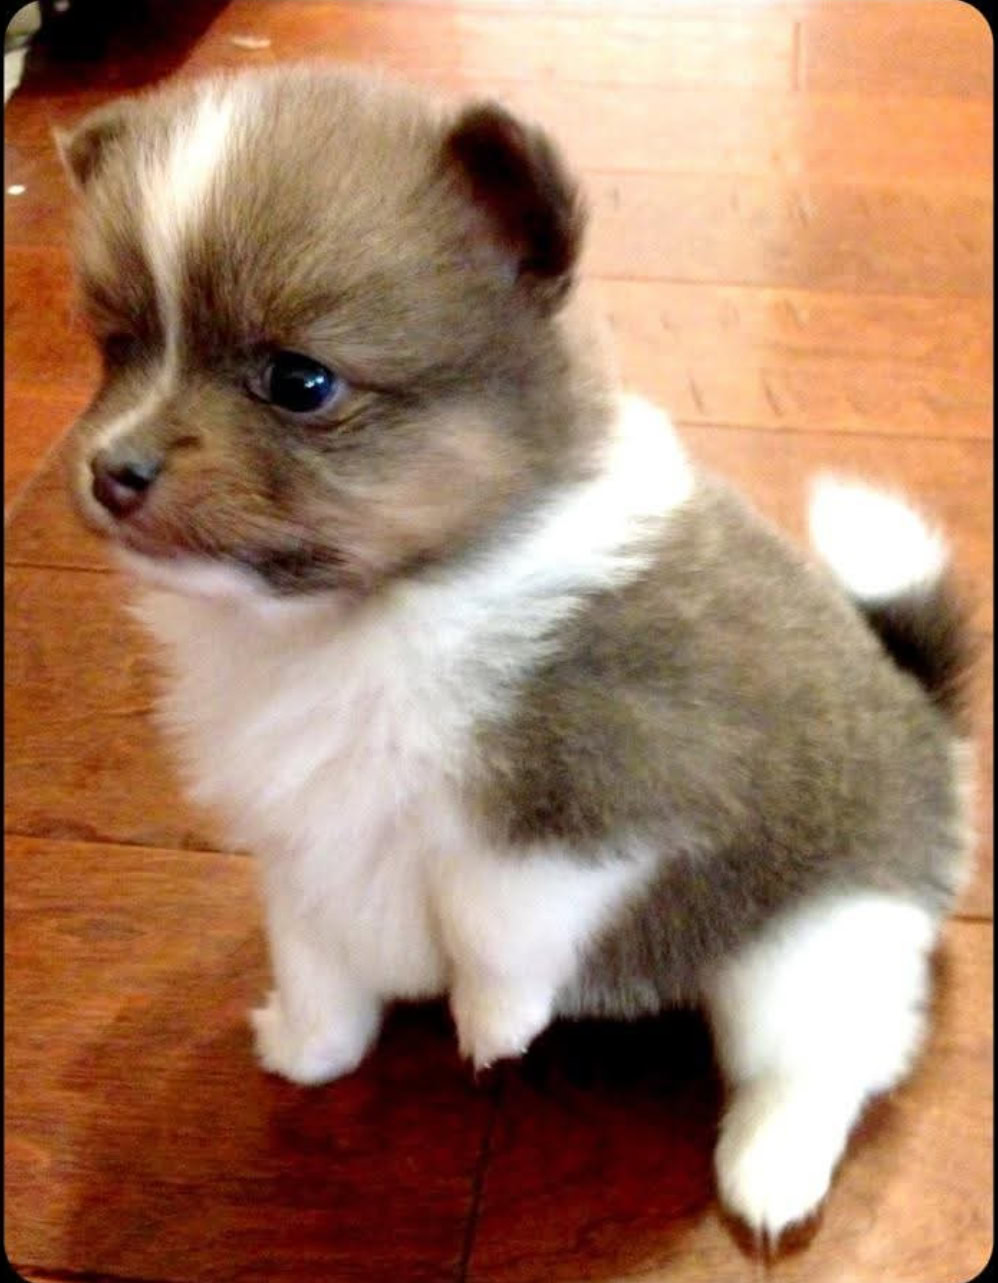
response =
{"points": [[330, 315]]}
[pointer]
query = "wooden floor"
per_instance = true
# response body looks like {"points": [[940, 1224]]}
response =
{"points": [[792, 228]]}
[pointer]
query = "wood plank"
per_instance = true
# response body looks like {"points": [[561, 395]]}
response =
{"points": [[601, 1159], [802, 359], [41, 213], [724, 45], [142, 1140], [43, 530], [940, 335], [787, 231], [714, 353], [896, 45], [34, 420], [39, 284], [794, 233], [83, 759], [746, 131]]}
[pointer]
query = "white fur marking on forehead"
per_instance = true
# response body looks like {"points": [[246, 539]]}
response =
{"points": [[176, 189]]}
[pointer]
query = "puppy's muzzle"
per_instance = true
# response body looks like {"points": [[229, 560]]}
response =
{"points": [[122, 482]]}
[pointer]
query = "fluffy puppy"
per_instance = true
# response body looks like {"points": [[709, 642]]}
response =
{"points": [[513, 703]]}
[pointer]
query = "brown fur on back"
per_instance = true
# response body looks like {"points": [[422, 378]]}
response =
{"points": [[734, 711]]}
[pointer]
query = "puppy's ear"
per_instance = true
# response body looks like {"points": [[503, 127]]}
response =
{"points": [[84, 148], [514, 176]]}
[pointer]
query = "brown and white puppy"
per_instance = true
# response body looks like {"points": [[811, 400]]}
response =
{"points": [[513, 703]]}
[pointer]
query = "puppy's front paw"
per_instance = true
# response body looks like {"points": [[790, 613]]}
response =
{"points": [[304, 1055], [775, 1158], [496, 1023]]}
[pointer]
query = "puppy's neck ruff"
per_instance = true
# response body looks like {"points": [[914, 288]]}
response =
{"points": [[326, 700]]}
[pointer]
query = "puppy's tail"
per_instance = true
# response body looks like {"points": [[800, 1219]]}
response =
{"points": [[893, 565]]}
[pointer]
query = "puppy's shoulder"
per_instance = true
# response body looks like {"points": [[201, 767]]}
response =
{"points": [[661, 694]]}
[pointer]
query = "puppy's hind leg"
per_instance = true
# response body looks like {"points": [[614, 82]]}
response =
{"points": [[811, 1020]]}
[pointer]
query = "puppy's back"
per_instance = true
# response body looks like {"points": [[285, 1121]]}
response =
{"points": [[731, 707]]}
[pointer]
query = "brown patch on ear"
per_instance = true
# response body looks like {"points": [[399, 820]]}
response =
{"points": [[516, 178], [83, 149]]}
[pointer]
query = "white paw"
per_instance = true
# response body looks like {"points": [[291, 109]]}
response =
{"points": [[776, 1155], [305, 1055], [496, 1023]]}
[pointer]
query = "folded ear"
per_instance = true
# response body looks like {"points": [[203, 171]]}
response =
{"points": [[513, 175], [84, 148]]}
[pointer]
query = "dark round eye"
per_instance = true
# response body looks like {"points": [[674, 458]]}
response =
{"points": [[297, 383]]}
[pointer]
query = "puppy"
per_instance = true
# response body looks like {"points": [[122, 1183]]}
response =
{"points": [[512, 701]]}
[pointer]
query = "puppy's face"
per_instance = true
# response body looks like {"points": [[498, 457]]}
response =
{"points": [[328, 314]]}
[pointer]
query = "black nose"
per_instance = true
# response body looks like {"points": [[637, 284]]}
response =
{"points": [[121, 483]]}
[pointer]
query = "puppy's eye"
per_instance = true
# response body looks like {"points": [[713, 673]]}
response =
{"points": [[296, 383]]}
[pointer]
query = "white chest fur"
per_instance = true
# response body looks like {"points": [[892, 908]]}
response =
{"points": [[332, 750], [333, 741]]}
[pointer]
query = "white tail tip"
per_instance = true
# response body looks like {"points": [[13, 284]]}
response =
{"points": [[874, 543]]}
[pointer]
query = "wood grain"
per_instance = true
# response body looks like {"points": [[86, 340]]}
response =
{"points": [[41, 213], [45, 345], [739, 131], [83, 758], [806, 359], [714, 353], [707, 45], [43, 530], [34, 421], [141, 1139], [600, 1161], [895, 46], [786, 232]]}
